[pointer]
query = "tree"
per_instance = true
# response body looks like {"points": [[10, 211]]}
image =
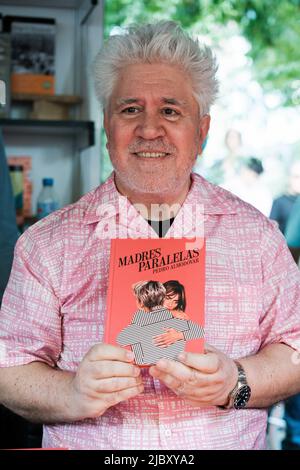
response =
{"points": [[272, 28]]}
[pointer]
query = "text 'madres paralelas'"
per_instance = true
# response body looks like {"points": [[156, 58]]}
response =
{"points": [[153, 259]]}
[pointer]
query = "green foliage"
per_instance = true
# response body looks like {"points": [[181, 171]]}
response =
{"points": [[272, 27], [273, 30]]}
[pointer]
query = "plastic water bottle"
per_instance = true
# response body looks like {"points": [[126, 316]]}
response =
{"points": [[47, 200]]}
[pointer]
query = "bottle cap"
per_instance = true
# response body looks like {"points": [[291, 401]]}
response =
{"points": [[47, 181], [15, 168]]}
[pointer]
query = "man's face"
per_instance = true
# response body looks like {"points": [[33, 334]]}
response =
{"points": [[154, 130]]}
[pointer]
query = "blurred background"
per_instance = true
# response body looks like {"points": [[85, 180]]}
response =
{"points": [[53, 146], [256, 45]]}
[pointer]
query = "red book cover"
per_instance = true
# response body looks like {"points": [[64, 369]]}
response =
{"points": [[155, 301]]}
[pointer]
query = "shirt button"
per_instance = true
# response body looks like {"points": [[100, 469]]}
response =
{"points": [[168, 432]]}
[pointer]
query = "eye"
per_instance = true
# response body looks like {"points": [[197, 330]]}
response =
{"points": [[172, 297], [170, 112], [130, 110]]}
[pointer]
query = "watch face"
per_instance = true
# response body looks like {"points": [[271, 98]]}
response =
{"points": [[242, 397]]}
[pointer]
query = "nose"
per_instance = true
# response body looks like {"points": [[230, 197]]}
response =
{"points": [[150, 127]]}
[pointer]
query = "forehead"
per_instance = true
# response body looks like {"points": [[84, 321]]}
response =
{"points": [[162, 81]]}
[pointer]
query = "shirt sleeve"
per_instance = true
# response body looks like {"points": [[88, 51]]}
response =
{"points": [[30, 320], [280, 318]]}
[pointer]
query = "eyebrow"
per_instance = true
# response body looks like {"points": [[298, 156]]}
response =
{"points": [[174, 101], [122, 101]]}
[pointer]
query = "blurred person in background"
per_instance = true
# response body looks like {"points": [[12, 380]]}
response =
{"points": [[283, 205], [292, 231], [281, 212], [227, 167], [8, 225], [248, 186], [292, 404]]}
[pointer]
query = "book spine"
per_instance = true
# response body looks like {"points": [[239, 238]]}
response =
{"points": [[109, 301], [204, 283]]}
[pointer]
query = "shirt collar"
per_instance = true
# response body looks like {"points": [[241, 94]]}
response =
{"points": [[215, 200], [105, 195], [107, 202]]}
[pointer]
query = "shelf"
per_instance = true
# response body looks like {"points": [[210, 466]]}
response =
{"points": [[72, 4], [84, 7], [83, 131], [62, 99]]}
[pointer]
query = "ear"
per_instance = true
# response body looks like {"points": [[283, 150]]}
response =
{"points": [[105, 126], [204, 128]]}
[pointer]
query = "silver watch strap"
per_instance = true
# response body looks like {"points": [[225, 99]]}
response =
{"points": [[241, 380]]}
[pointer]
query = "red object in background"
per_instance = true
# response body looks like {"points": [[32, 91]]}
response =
{"points": [[26, 163]]}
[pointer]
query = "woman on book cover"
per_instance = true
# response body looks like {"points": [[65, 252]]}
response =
{"points": [[175, 302], [175, 299]]}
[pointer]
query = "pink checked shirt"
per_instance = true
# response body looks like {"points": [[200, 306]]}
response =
{"points": [[54, 311]]}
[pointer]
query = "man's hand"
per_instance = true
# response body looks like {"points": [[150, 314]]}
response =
{"points": [[169, 337], [104, 378], [201, 379]]}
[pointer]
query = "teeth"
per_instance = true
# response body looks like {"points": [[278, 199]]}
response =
{"points": [[151, 154]]}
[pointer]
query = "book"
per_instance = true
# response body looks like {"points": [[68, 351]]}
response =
{"points": [[25, 163], [33, 54], [155, 300]]}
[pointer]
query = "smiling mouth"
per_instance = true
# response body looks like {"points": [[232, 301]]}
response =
{"points": [[151, 154]]}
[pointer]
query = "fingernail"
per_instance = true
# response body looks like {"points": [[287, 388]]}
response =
{"points": [[162, 363], [182, 356]]}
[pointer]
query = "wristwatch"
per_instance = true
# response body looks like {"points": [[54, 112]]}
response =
{"points": [[240, 395]]}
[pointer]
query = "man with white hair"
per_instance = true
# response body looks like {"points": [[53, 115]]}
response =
{"points": [[156, 86]]}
